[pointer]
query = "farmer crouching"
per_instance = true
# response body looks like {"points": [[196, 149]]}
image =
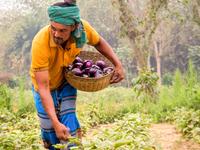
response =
{"points": [[54, 47]]}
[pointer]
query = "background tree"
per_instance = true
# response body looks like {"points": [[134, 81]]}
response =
{"points": [[25, 18], [140, 26]]}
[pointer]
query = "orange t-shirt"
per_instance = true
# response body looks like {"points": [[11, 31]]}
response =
{"points": [[47, 55]]}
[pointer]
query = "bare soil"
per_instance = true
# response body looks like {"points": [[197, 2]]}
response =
{"points": [[166, 137]]}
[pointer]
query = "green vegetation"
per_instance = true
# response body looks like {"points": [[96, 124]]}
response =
{"points": [[177, 103], [129, 133], [187, 121], [19, 132]]}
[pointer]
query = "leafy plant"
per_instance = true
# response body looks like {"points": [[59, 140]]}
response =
{"points": [[129, 133], [167, 79], [187, 121], [145, 84], [5, 97], [19, 133], [72, 144]]}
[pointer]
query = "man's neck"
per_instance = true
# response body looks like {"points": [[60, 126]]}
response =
{"points": [[64, 44]]}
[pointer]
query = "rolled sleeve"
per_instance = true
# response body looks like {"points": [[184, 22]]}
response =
{"points": [[40, 57]]}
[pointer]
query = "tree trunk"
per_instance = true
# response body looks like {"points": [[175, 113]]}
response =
{"points": [[158, 60]]}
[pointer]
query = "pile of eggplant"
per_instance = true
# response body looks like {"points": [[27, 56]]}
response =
{"points": [[89, 68]]}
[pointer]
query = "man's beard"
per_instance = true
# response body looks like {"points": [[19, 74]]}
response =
{"points": [[58, 40]]}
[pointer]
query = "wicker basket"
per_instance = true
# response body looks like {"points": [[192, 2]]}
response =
{"points": [[90, 84]]}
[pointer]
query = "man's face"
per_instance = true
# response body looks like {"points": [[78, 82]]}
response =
{"points": [[61, 33]]}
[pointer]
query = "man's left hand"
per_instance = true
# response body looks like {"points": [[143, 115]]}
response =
{"points": [[118, 75]]}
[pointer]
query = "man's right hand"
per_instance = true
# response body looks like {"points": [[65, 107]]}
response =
{"points": [[62, 132]]}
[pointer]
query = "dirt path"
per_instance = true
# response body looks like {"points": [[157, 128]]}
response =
{"points": [[167, 138]]}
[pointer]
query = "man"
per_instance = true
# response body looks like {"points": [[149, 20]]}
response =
{"points": [[54, 47]]}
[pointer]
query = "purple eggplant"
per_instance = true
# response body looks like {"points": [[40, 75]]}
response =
{"points": [[96, 67], [77, 71], [78, 65], [92, 72], [77, 60], [86, 71], [98, 74], [101, 64], [87, 64]]}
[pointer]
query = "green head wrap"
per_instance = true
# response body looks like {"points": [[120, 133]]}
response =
{"points": [[69, 16]]}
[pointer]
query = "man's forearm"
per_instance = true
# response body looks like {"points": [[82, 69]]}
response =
{"points": [[48, 105], [42, 79]]}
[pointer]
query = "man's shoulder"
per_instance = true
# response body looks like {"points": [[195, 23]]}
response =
{"points": [[85, 23], [87, 26], [42, 35], [92, 35]]}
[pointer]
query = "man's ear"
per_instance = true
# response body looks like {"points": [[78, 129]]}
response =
{"points": [[74, 26]]}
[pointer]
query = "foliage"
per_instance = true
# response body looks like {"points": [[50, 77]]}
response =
{"points": [[17, 132], [194, 54], [178, 87], [187, 121], [95, 108], [192, 87], [71, 141], [21, 32], [5, 97], [23, 98], [186, 88], [167, 79], [17, 100], [129, 133], [21, 130], [126, 55], [193, 96], [107, 25], [140, 25], [21, 94], [146, 84], [184, 92]]}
